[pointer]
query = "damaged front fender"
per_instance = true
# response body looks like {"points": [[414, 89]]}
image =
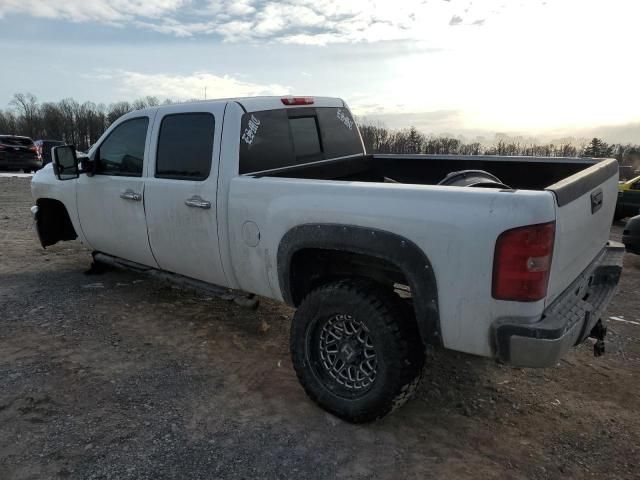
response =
{"points": [[52, 222]]}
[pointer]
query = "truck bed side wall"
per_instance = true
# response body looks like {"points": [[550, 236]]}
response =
{"points": [[431, 169]]}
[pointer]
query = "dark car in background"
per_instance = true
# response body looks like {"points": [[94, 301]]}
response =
{"points": [[18, 153], [631, 235], [44, 149]]}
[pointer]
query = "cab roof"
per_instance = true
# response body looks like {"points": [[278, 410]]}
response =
{"points": [[255, 104]]}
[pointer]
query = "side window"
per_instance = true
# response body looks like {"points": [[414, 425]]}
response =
{"points": [[122, 153], [185, 146]]}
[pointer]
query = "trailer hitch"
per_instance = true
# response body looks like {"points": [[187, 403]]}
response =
{"points": [[598, 332]]}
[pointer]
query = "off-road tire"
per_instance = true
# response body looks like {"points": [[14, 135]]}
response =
{"points": [[393, 333]]}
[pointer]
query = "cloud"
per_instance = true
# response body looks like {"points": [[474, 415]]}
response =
{"points": [[184, 87], [432, 122], [316, 22], [105, 11]]}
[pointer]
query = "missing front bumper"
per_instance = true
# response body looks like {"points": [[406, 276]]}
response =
{"points": [[567, 321]]}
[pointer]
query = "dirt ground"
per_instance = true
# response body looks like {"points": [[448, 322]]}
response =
{"points": [[121, 376]]}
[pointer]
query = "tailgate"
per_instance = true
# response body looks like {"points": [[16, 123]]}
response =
{"points": [[585, 203]]}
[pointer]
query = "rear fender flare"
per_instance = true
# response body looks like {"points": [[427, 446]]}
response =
{"points": [[397, 250]]}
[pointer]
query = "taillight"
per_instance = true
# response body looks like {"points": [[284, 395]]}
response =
{"points": [[297, 100], [522, 262], [33, 149]]}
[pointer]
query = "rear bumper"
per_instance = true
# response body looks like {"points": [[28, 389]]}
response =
{"points": [[567, 321]]}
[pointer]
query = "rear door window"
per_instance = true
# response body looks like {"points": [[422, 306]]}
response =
{"points": [[185, 146], [273, 139]]}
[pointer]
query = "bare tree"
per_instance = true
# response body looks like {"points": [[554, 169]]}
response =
{"points": [[8, 122], [26, 105], [116, 110]]}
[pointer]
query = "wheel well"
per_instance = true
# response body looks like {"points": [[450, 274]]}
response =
{"points": [[312, 267], [54, 223], [310, 255]]}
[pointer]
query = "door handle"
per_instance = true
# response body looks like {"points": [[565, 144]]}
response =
{"points": [[131, 195], [198, 202]]}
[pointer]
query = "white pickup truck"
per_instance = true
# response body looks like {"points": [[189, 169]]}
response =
{"points": [[381, 255]]}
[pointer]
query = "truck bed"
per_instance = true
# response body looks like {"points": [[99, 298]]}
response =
{"points": [[579, 188], [526, 173]]}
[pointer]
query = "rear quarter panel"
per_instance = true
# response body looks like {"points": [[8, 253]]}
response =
{"points": [[455, 227]]}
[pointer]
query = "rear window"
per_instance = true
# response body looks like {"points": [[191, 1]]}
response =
{"points": [[339, 132], [16, 142], [281, 138], [185, 146], [306, 137]]}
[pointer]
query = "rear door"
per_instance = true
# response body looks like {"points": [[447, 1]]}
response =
{"points": [[111, 202], [181, 191], [585, 203]]}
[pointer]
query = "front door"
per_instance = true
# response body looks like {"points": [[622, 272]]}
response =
{"points": [[180, 192], [111, 202]]}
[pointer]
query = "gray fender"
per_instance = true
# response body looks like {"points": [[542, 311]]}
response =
{"points": [[397, 250]]}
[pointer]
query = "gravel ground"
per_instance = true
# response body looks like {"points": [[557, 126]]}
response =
{"points": [[119, 376]]}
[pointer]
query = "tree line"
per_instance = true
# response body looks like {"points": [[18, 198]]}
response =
{"points": [[81, 124], [379, 139]]}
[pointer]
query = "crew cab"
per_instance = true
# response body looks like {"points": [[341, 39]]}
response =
{"points": [[381, 255]]}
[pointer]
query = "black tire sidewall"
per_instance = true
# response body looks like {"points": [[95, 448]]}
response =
{"points": [[392, 360]]}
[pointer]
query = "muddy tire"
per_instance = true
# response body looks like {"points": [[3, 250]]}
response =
{"points": [[355, 350]]}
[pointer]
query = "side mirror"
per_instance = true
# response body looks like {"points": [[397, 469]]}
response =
{"points": [[65, 162]]}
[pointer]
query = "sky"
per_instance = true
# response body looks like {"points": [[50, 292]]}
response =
{"points": [[552, 68]]}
